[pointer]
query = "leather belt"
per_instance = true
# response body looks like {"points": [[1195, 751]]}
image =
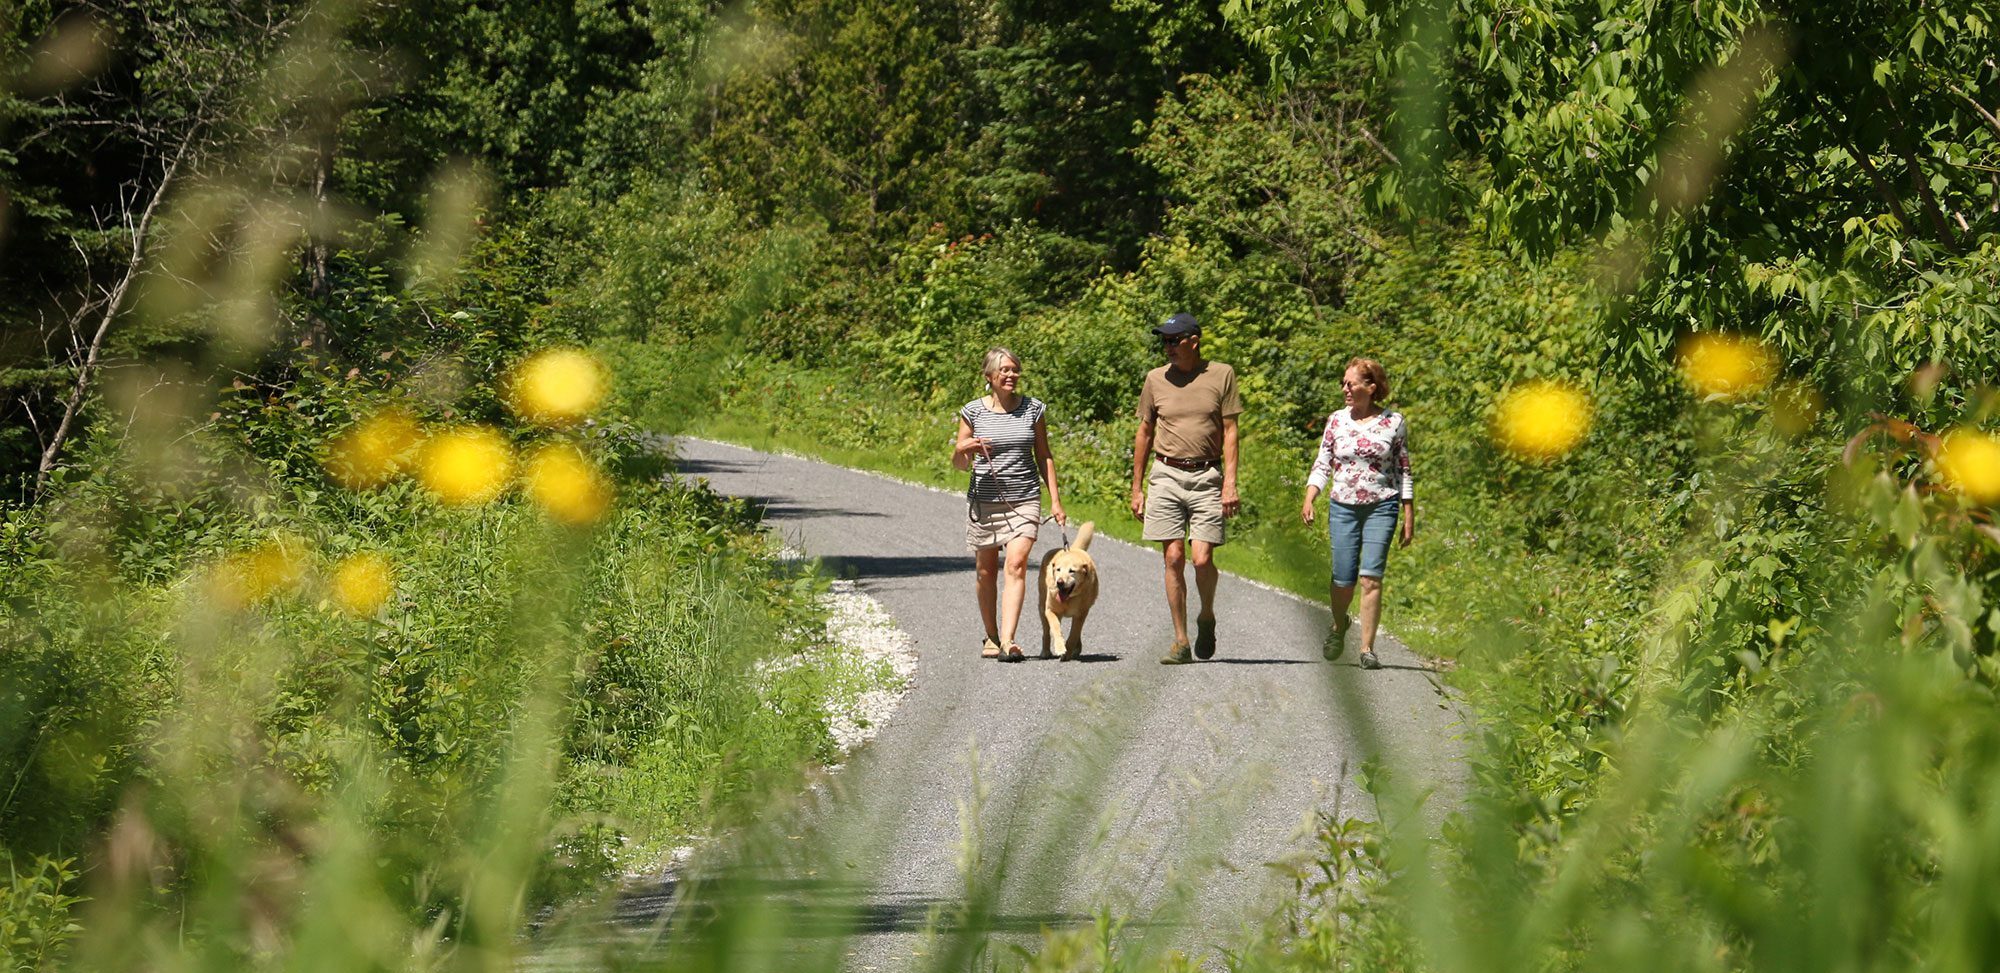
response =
{"points": [[1191, 465]]}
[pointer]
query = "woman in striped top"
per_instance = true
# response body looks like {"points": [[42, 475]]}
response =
{"points": [[1003, 440]]}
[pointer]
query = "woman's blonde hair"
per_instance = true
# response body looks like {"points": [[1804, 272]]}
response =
{"points": [[994, 356], [1377, 375]]}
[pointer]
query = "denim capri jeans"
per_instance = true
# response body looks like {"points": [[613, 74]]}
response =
{"points": [[1359, 537]]}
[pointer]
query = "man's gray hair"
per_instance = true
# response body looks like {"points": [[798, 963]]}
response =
{"points": [[994, 356]]}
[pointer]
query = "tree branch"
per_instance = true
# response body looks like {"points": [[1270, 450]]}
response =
{"points": [[1883, 188], [1992, 121], [1906, 147]]}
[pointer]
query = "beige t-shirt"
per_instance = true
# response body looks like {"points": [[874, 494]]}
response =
{"points": [[1187, 409]]}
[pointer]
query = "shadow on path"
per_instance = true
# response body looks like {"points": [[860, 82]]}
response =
{"points": [[768, 508], [893, 566], [698, 467], [819, 910]]}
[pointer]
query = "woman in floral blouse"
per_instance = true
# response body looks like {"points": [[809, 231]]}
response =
{"points": [[1364, 467]]}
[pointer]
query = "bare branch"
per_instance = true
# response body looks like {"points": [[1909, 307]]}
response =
{"points": [[114, 302], [1991, 120], [1379, 147]]}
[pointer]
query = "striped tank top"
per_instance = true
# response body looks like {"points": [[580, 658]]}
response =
{"points": [[1010, 475]]}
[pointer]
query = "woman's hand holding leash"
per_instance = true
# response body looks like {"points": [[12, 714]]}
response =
{"points": [[962, 450]]}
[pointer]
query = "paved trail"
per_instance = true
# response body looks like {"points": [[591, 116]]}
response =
{"points": [[1157, 790]]}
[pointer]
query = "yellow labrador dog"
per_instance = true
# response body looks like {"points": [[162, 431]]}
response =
{"points": [[1067, 588]]}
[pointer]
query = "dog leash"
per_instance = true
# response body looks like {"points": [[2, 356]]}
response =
{"points": [[1060, 528]]}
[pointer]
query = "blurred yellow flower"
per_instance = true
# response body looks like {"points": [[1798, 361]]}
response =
{"points": [[557, 387], [374, 450], [467, 465], [362, 583], [1795, 406], [1726, 365], [272, 568], [1970, 462], [1541, 419], [567, 484]]}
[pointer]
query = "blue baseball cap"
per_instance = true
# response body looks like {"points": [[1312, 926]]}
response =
{"points": [[1178, 324]]}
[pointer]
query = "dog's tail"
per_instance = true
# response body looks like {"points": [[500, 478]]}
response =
{"points": [[1084, 534]]}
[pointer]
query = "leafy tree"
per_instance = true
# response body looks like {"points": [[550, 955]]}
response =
{"points": [[1788, 169], [1065, 95], [846, 114]]}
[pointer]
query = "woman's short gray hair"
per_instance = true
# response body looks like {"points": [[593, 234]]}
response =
{"points": [[994, 356]]}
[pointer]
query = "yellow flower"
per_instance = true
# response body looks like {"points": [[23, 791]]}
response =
{"points": [[467, 465], [1726, 365], [1795, 406], [557, 387], [272, 568], [1542, 419], [567, 485], [362, 583], [373, 451], [1970, 462]]}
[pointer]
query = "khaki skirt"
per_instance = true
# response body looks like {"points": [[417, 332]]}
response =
{"points": [[998, 523]]}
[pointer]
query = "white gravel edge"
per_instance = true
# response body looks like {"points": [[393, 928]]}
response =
{"points": [[856, 625], [862, 634]]}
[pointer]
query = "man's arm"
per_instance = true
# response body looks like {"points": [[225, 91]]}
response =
{"points": [[1142, 448], [1230, 501]]}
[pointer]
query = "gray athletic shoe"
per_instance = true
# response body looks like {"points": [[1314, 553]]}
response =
{"points": [[1179, 655]]}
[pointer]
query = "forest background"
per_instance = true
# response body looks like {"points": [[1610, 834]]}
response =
{"points": [[1690, 306]]}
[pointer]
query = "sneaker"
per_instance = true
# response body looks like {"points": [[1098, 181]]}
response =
{"points": [[1204, 638], [1368, 661], [1335, 644], [1179, 655]]}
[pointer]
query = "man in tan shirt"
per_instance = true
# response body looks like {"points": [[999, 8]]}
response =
{"points": [[1187, 428]]}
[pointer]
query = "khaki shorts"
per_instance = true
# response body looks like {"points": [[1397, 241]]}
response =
{"points": [[1180, 503], [997, 524]]}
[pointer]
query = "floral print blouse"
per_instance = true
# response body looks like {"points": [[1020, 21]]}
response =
{"points": [[1363, 462]]}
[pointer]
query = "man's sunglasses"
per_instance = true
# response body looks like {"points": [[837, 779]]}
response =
{"points": [[1170, 340]]}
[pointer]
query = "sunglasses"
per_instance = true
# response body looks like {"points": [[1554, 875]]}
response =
{"points": [[1170, 340]]}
